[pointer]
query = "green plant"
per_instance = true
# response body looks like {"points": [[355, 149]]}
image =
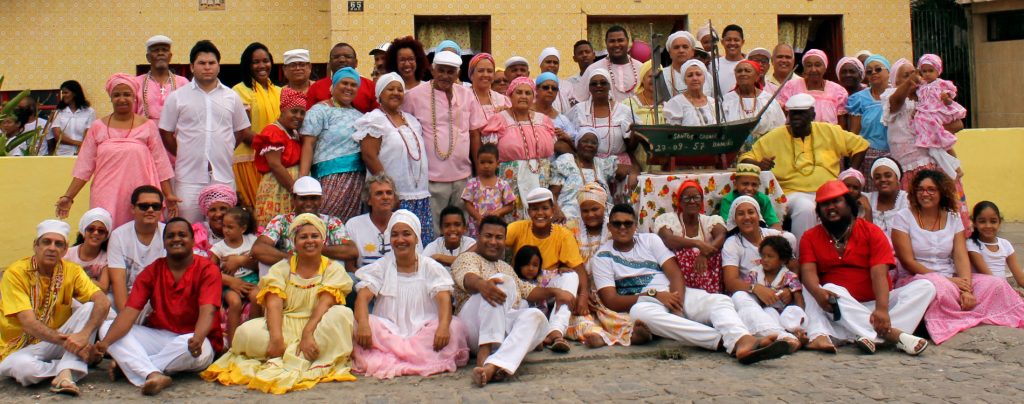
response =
{"points": [[8, 145]]}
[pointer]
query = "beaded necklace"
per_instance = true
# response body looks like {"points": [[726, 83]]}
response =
{"points": [[490, 101], [131, 127], [408, 151], [42, 305], [531, 161], [451, 124], [607, 138], [163, 92], [620, 88]]}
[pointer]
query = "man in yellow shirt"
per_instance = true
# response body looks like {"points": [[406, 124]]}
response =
{"points": [[803, 155], [42, 336]]}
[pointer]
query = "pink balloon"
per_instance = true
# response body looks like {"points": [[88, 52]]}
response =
{"points": [[640, 51]]}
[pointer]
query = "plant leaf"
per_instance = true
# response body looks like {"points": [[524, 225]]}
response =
{"points": [[10, 105]]}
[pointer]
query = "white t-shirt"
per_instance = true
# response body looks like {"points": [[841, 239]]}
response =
{"points": [[740, 252], [125, 251], [437, 247], [634, 271], [372, 244], [222, 250], [996, 260], [933, 249], [726, 74]]}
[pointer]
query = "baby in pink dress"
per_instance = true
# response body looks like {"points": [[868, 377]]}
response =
{"points": [[935, 106]]}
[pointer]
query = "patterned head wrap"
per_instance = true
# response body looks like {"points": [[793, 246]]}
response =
{"points": [[518, 82], [677, 201], [291, 99], [850, 61], [477, 58], [748, 170], [932, 60], [310, 219], [216, 193], [593, 192], [121, 78]]}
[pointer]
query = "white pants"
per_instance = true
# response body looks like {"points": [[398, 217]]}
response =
{"points": [[188, 192], [800, 208], [45, 360], [517, 330], [765, 321], [906, 308], [146, 350], [709, 319], [559, 317]]}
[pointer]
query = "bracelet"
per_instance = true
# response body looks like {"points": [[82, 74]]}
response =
{"points": [[65, 196], [752, 285]]}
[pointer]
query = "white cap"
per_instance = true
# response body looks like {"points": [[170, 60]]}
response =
{"points": [[53, 226], [539, 195], [383, 47], [549, 51], [864, 53], [296, 55], [448, 58], [760, 51], [800, 102], [516, 60], [307, 186], [158, 39]]}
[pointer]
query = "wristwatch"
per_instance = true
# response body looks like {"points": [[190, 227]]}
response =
{"points": [[652, 292]]}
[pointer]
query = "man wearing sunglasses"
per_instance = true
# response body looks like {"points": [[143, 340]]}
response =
{"points": [[136, 244], [636, 273]]}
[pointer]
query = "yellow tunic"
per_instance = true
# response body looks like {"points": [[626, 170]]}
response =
{"points": [[22, 288], [802, 165], [246, 363], [264, 108]]}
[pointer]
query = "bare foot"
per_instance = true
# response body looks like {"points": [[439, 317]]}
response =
{"points": [[115, 371], [801, 335], [482, 354], [483, 374], [822, 343], [155, 383], [593, 341], [552, 336], [745, 345], [641, 334], [794, 344]]}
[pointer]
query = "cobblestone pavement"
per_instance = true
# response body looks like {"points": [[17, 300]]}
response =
{"points": [[984, 364]]}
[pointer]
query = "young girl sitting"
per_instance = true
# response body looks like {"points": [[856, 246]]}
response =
{"points": [[855, 182], [935, 108], [238, 267], [486, 194], [789, 310], [527, 264], [990, 254]]}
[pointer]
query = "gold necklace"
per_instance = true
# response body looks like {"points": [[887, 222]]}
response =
{"points": [[433, 124]]}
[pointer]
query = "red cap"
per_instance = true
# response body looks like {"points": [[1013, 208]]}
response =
{"points": [[830, 190]]}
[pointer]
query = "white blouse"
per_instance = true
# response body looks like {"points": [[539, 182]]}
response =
{"points": [[611, 133], [885, 219], [741, 253], [737, 108], [402, 152], [679, 111], [406, 301], [672, 222], [933, 249]]}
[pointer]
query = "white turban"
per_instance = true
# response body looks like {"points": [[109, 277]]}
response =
{"points": [[53, 226], [886, 162], [407, 217], [693, 62], [731, 224], [96, 215], [597, 72], [550, 51], [384, 80], [677, 35], [703, 31]]}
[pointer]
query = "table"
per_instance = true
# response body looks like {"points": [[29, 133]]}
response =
{"points": [[653, 193]]}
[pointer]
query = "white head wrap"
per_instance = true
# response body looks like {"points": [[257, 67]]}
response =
{"points": [[703, 31], [693, 62], [53, 226], [550, 51], [296, 55], [448, 58], [96, 215], [583, 130], [597, 72], [407, 217], [384, 80], [731, 224], [886, 162], [680, 34]]}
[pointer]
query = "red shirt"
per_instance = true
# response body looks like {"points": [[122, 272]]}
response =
{"points": [[365, 101], [273, 138], [866, 248], [176, 305]]}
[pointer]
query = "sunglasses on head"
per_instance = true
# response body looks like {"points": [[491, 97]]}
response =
{"points": [[622, 224], [149, 206]]}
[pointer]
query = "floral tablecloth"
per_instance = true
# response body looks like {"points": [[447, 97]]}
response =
{"points": [[654, 192]]}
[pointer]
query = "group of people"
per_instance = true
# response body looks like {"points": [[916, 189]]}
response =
{"points": [[299, 242]]}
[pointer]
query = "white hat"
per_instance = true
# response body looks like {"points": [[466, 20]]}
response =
{"points": [[800, 102], [549, 51], [53, 226], [760, 51], [95, 215], [516, 60], [157, 39], [448, 58], [383, 47], [307, 186], [539, 195], [864, 53], [296, 55]]}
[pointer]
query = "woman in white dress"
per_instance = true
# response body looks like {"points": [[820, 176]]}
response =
{"points": [[746, 100], [888, 198], [691, 107]]}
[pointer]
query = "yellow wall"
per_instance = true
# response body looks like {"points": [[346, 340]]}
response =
{"points": [[997, 70], [48, 41], [991, 162], [30, 187]]}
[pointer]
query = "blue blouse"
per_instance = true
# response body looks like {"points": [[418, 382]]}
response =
{"points": [[869, 110], [336, 151]]}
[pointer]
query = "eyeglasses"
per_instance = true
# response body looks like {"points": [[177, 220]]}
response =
{"points": [[549, 88], [149, 206], [927, 190], [875, 70], [690, 199], [98, 230], [621, 224], [296, 66], [45, 242]]}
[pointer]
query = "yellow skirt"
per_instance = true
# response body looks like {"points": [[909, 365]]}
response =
{"points": [[272, 199], [247, 181]]}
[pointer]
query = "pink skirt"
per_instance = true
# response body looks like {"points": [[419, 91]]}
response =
{"points": [[998, 304], [393, 355]]}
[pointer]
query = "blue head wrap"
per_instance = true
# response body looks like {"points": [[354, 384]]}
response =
{"points": [[546, 76], [448, 43], [343, 73], [877, 58]]}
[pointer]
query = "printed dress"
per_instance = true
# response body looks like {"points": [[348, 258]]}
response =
{"points": [[931, 113], [486, 199]]}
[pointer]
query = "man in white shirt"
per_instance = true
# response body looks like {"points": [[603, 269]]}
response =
{"points": [[732, 41], [637, 273], [367, 230], [207, 120], [624, 70], [583, 55], [136, 244]]}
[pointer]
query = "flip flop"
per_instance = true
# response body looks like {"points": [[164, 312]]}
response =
{"points": [[908, 343], [560, 345], [774, 350], [66, 387], [865, 345]]}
